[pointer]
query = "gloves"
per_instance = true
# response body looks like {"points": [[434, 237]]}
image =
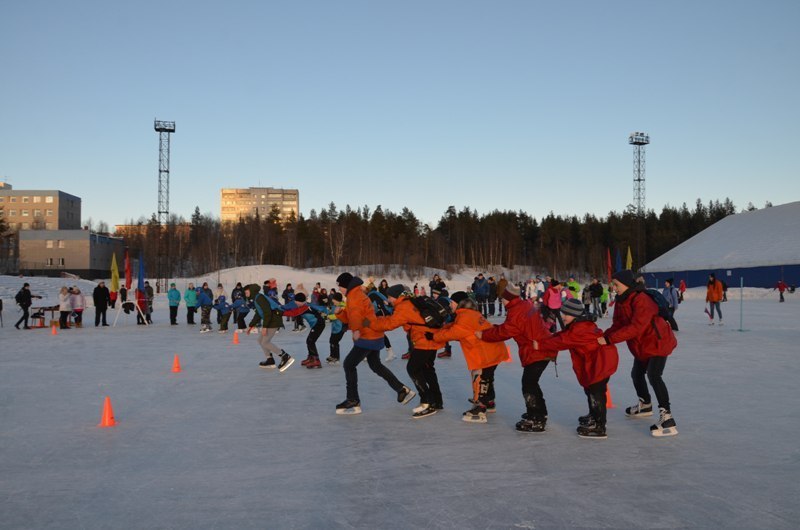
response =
{"points": [[429, 335]]}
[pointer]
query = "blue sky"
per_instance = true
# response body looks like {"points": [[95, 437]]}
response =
{"points": [[495, 105]]}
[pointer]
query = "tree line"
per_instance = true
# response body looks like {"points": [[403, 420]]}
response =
{"points": [[334, 237]]}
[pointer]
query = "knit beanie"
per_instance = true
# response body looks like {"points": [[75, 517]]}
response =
{"points": [[573, 307], [625, 277], [458, 296], [510, 292], [300, 297], [396, 290], [344, 280]]}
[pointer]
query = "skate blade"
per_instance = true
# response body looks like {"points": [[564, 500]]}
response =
{"points": [[424, 414], [348, 412], [604, 437], [470, 419], [640, 415], [669, 431], [271, 367], [411, 395], [287, 365]]}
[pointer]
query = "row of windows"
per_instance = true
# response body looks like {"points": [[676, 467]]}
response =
{"points": [[51, 261], [27, 226], [13, 198], [52, 244], [26, 213]]}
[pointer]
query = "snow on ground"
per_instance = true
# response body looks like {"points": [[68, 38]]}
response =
{"points": [[225, 444]]}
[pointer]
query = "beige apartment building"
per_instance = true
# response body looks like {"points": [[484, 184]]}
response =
{"points": [[81, 252], [39, 209], [238, 203]]}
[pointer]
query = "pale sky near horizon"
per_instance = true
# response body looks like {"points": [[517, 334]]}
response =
{"points": [[510, 105]]}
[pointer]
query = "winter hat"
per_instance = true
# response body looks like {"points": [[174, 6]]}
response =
{"points": [[337, 297], [300, 297], [573, 307], [459, 296], [344, 279], [396, 290], [510, 292], [625, 277]]}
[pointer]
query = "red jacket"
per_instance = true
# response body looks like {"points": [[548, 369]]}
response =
{"points": [[780, 286], [524, 324], [407, 315], [478, 353], [636, 322], [591, 362]]}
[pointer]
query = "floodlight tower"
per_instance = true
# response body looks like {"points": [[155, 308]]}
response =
{"points": [[639, 140], [164, 129]]}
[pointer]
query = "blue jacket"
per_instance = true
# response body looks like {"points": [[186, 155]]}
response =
{"points": [[203, 300], [315, 314], [481, 287], [174, 297], [671, 294], [240, 306], [222, 306]]}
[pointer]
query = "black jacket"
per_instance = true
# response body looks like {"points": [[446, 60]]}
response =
{"points": [[101, 297]]}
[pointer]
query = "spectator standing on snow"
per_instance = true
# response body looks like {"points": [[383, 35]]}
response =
{"points": [[481, 289], [64, 307], [24, 299], [101, 298], [174, 299], [78, 305], [190, 297], [681, 290], [596, 294]]}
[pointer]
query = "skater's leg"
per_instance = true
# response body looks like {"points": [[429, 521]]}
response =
{"points": [[416, 371], [434, 391], [486, 387], [265, 341], [597, 401], [532, 392], [655, 369], [355, 356], [374, 361], [311, 341], [637, 375]]}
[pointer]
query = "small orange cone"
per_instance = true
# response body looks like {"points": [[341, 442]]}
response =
{"points": [[107, 419], [176, 365], [609, 402], [53, 330], [235, 338]]}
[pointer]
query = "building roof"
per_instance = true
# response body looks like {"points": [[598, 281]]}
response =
{"points": [[760, 238]]}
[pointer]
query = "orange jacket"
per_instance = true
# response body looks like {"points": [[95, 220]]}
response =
{"points": [[478, 354], [359, 308], [407, 315], [714, 291]]}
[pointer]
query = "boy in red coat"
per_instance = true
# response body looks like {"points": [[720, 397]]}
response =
{"points": [[650, 339], [593, 364]]}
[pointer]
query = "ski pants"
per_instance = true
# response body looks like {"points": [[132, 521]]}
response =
{"points": [[311, 340], [265, 341], [334, 341], [205, 315], [422, 372], [653, 368], [532, 392], [483, 385], [358, 354], [596, 396]]}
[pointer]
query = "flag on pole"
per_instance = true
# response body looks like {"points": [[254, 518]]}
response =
{"points": [[140, 281], [114, 274], [618, 261], [127, 270], [608, 263], [629, 259]]}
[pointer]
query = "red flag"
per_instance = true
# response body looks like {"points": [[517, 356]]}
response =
{"points": [[608, 263], [127, 270]]}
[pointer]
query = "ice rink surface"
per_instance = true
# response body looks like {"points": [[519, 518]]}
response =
{"points": [[225, 444]]}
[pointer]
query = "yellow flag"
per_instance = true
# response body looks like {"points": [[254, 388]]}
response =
{"points": [[114, 274], [629, 259]]}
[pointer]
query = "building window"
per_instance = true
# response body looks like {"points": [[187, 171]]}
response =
{"points": [[37, 213], [61, 243], [37, 199], [48, 243], [26, 199], [61, 261], [2, 199], [12, 199], [49, 198], [26, 226], [12, 213], [48, 226], [49, 262], [24, 213], [49, 213]]}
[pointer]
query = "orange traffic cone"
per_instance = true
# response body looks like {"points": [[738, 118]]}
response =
{"points": [[107, 419], [176, 365], [609, 402], [235, 338], [53, 330]]}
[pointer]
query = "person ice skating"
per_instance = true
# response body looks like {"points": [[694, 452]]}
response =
{"points": [[670, 293], [101, 298], [174, 299], [596, 295], [315, 316], [338, 328], [240, 308], [481, 289], [382, 307], [551, 305], [482, 357], [780, 286], [651, 340], [224, 310], [524, 324], [592, 363], [205, 302], [367, 344], [24, 299], [714, 297], [443, 297], [420, 365], [270, 316], [190, 297], [150, 297], [681, 290]]}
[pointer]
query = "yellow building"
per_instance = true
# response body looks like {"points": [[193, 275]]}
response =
{"points": [[238, 203]]}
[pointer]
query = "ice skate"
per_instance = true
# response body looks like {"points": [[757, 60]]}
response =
{"points": [[269, 363], [405, 395], [592, 431], [665, 426], [428, 410], [530, 426], [314, 363], [444, 354], [286, 361], [585, 420], [305, 361], [348, 406], [477, 414], [332, 360], [389, 354], [640, 410], [422, 406]]}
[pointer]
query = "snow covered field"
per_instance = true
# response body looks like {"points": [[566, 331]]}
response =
{"points": [[225, 444]]}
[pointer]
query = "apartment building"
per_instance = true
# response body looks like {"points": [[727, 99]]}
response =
{"points": [[81, 252], [39, 209], [238, 203]]}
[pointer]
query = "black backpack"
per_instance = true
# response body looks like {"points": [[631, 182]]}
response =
{"points": [[661, 302], [434, 313], [18, 298]]}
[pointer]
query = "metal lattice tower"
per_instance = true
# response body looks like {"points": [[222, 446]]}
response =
{"points": [[164, 129], [639, 140]]}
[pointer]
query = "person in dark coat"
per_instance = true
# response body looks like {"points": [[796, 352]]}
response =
{"points": [[24, 299], [102, 299]]}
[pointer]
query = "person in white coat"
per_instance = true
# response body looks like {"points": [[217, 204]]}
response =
{"points": [[78, 305], [64, 307]]}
